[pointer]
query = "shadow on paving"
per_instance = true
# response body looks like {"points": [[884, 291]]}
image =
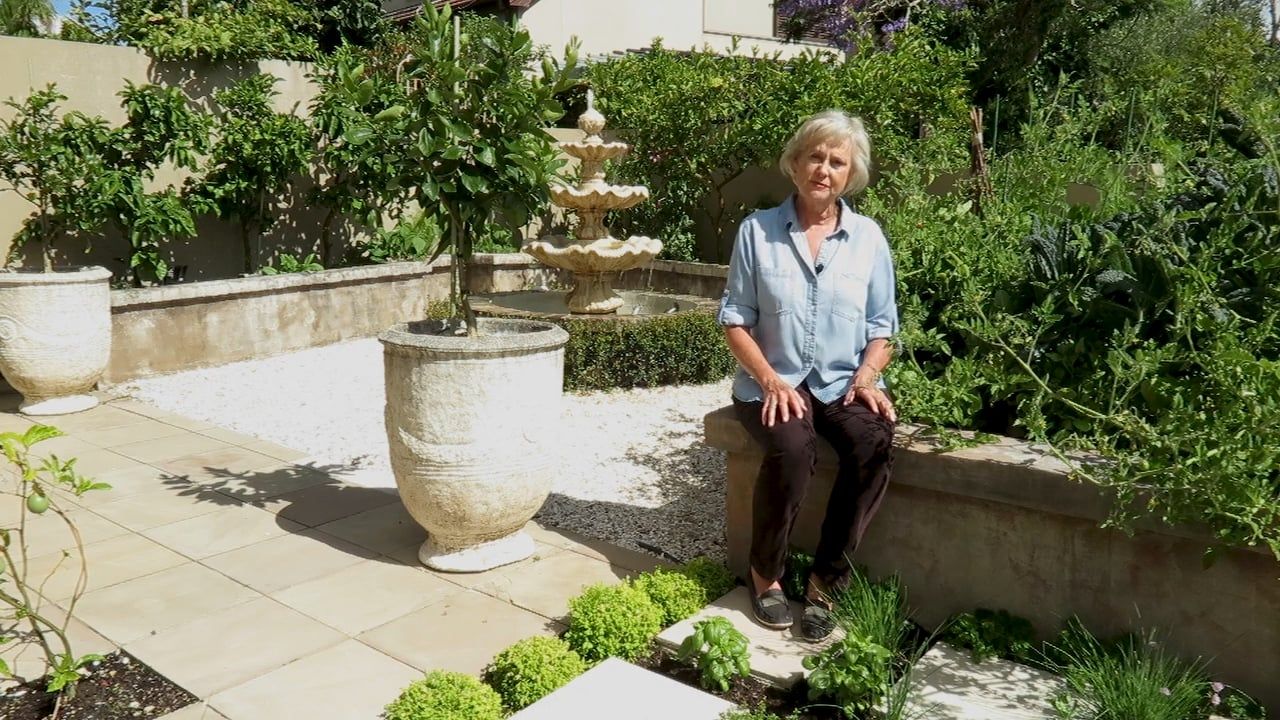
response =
{"points": [[310, 495]]}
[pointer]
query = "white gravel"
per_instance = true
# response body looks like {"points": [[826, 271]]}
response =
{"points": [[636, 473]]}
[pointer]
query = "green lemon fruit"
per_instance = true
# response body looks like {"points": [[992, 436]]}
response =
{"points": [[37, 503]]}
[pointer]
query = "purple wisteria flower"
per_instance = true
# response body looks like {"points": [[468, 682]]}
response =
{"points": [[845, 22]]}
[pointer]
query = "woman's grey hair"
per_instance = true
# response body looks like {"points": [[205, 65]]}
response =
{"points": [[834, 127]]}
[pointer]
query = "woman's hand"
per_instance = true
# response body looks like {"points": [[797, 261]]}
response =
{"points": [[781, 402], [873, 397]]}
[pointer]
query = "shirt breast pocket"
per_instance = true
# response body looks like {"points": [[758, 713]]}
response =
{"points": [[849, 300], [777, 290]]}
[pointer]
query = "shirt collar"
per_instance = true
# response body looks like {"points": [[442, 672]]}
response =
{"points": [[844, 228]]}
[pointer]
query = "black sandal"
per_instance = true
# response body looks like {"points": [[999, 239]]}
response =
{"points": [[771, 610], [816, 624]]}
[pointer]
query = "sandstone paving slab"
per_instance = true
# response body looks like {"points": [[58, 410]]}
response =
{"points": [[350, 681], [125, 483], [947, 685], [366, 595], [222, 530], [776, 655], [325, 503], [462, 633], [598, 549], [65, 447], [144, 429], [268, 482], [545, 586], [177, 499], [233, 645], [288, 560], [384, 529], [98, 462], [230, 437], [163, 449], [102, 417], [49, 532], [222, 462], [13, 422], [621, 691], [280, 452], [195, 711], [133, 609], [108, 562]]}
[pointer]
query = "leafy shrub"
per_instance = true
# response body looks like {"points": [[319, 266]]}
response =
{"points": [[853, 673], [1132, 678], [445, 695], [676, 594], [689, 158], [713, 577], [414, 238], [288, 263], [531, 669], [758, 713], [612, 621], [719, 652], [677, 349], [992, 634], [257, 156], [876, 611], [795, 581]]}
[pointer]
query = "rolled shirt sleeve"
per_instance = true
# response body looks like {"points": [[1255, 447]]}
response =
{"points": [[738, 305], [882, 305]]}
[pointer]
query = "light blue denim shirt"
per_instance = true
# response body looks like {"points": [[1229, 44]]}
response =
{"points": [[811, 325]]}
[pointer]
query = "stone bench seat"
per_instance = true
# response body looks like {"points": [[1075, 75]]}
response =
{"points": [[1002, 525]]}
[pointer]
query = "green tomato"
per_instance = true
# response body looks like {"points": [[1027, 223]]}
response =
{"points": [[37, 503]]}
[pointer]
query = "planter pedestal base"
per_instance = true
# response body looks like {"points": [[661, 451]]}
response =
{"points": [[477, 558], [58, 405]]}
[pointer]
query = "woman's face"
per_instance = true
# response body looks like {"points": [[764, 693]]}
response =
{"points": [[822, 173]]}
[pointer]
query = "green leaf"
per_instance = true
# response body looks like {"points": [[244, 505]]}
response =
{"points": [[474, 183], [40, 433], [358, 135]]}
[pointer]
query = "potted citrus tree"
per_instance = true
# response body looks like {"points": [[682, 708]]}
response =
{"points": [[55, 321], [473, 404]]}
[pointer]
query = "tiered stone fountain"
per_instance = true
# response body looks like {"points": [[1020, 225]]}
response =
{"points": [[591, 253]]}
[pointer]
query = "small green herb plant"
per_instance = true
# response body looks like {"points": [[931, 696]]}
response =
{"points": [[288, 263], [1133, 677], [875, 610], [714, 578], [678, 595], [612, 621], [445, 695], [992, 634], [853, 673], [531, 669], [36, 487], [718, 650], [795, 580]]}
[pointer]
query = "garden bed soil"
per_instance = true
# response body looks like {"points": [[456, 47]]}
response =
{"points": [[747, 693], [119, 687]]}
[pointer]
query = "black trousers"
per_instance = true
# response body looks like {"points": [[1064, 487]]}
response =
{"points": [[863, 441]]}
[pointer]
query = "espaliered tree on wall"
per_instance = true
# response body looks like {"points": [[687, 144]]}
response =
{"points": [[257, 155]]}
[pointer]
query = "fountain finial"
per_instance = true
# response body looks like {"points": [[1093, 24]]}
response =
{"points": [[591, 122]]}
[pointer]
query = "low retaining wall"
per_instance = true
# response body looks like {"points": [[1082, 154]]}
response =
{"points": [[1002, 526], [179, 327]]}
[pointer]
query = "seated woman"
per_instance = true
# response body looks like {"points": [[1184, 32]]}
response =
{"points": [[809, 311]]}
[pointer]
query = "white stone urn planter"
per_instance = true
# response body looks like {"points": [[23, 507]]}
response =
{"points": [[55, 336], [472, 424]]}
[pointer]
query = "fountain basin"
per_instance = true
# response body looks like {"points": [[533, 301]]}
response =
{"points": [[612, 197], [553, 306], [603, 255]]}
